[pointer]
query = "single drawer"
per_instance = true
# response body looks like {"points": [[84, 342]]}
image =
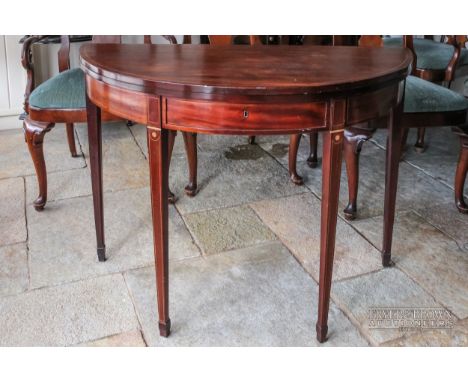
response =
{"points": [[224, 117]]}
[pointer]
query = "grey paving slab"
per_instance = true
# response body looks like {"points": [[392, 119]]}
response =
{"points": [[128, 339], [124, 165], [228, 228], [438, 140], [456, 336], [61, 185], [259, 296], [278, 146], [429, 257], [67, 314], [296, 221], [16, 161], [229, 176], [415, 188], [62, 237], [446, 217], [214, 143], [12, 215], [441, 155], [387, 288], [14, 276]]}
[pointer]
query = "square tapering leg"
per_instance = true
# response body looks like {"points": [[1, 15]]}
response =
{"points": [[394, 143], [331, 164], [95, 159], [331, 173], [158, 146]]}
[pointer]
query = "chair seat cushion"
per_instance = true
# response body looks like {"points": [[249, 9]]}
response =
{"points": [[66, 90], [422, 96], [430, 54]]}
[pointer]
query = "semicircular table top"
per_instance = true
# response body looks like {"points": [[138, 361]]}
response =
{"points": [[251, 70]]}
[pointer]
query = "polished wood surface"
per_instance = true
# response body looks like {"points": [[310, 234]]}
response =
{"points": [[205, 71], [247, 90]]}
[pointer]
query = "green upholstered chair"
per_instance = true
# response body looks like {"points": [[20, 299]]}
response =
{"points": [[426, 104], [60, 99], [432, 55], [433, 61]]}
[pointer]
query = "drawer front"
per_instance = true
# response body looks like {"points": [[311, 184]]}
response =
{"points": [[226, 117]]}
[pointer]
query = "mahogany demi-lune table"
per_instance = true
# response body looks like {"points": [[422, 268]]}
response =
{"points": [[245, 90]]}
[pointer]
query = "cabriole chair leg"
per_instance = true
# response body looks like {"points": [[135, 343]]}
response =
{"points": [[34, 135], [294, 141], [190, 141], [312, 160], [354, 138]]}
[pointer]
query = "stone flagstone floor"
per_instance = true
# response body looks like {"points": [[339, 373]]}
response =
{"points": [[244, 252]]}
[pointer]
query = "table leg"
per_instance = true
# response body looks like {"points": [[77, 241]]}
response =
{"points": [[391, 182], [158, 145], [331, 173], [95, 159]]}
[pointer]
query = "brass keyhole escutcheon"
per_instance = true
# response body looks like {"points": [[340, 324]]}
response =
{"points": [[245, 114]]}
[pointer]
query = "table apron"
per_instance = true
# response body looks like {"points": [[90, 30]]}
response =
{"points": [[266, 117]]}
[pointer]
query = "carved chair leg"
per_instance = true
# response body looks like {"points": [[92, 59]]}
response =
{"points": [[171, 139], [71, 139], [34, 135], [419, 146], [294, 140], [251, 139], [312, 160], [190, 141], [355, 136], [460, 175]]}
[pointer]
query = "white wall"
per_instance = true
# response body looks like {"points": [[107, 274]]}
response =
{"points": [[12, 81]]}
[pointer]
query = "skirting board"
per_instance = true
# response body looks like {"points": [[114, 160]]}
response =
{"points": [[10, 122]]}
